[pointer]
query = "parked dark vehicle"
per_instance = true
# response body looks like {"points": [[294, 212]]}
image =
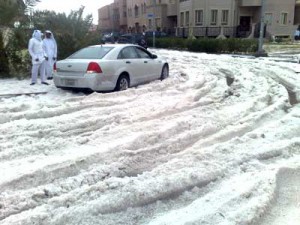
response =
{"points": [[133, 39], [158, 34], [110, 37]]}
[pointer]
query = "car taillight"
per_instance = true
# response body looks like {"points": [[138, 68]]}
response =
{"points": [[93, 67], [54, 67]]}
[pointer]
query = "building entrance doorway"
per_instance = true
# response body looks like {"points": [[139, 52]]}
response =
{"points": [[244, 28], [137, 28]]}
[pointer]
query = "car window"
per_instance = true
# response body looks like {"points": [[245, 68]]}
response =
{"points": [[143, 54], [91, 53], [124, 40], [128, 53], [128, 39]]}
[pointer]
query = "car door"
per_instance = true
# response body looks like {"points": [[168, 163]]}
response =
{"points": [[133, 64], [152, 67]]}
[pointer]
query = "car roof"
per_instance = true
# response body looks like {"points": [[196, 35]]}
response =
{"points": [[113, 45], [116, 47], [129, 35]]}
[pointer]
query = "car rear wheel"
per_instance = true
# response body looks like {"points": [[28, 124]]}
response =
{"points": [[164, 72], [122, 83]]}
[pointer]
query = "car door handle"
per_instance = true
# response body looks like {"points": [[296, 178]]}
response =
{"points": [[128, 62], [145, 61]]}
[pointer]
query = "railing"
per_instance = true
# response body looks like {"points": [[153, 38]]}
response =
{"points": [[250, 3], [210, 32]]}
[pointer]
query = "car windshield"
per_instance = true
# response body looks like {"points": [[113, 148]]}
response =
{"points": [[91, 53]]}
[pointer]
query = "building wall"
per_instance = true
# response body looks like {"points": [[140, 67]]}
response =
{"points": [[277, 8], [136, 15], [279, 16], [206, 7], [164, 14], [113, 17], [122, 12], [146, 15], [141, 15], [104, 18]]}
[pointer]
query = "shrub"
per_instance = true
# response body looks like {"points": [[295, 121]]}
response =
{"points": [[235, 45], [204, 45], [169, 43], [208, 45], [19, 59]]}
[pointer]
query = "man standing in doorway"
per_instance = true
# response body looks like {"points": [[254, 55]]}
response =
{"points": [[50, 48]]}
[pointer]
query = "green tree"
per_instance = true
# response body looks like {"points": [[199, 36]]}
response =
{"points": [[15, 10], [12, 11], [71, 31]]}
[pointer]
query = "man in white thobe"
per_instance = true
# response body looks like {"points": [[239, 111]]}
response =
{"points": [[50, 48], [38, 56]]}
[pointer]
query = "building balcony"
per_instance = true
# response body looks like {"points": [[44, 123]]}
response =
{"points": [[250, 3], [172, 10]]}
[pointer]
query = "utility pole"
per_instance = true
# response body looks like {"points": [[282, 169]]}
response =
{"points": [[261, 52], [154, 21]]}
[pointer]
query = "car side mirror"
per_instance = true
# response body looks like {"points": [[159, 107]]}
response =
{"points": [[154, 56]]}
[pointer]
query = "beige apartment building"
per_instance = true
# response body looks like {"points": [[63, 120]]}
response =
{"points": [[237, 17], [144, 15], [105, 18], [138, 15], [119, 15], [200, 18], [206, 17]]}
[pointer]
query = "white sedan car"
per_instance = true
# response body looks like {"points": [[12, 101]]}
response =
{"points": [[109, 67]]}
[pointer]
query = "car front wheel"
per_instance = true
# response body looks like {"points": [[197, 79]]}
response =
{"points": [[122, 83], [164, 72]]}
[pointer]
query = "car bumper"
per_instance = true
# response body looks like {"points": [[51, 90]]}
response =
{"points": [[93, 81]]}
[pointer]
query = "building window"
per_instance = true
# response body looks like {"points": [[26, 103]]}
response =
{"points": [[187, 18], [136, 11], [225, 17], [199, 17], [268, 18], [214, 17], [283, 19], [157, 23], [181, 19], [150, 23]]}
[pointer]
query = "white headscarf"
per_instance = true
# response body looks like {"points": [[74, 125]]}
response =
{"points": [[50, 45], [52, 36], [37, 34]]}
